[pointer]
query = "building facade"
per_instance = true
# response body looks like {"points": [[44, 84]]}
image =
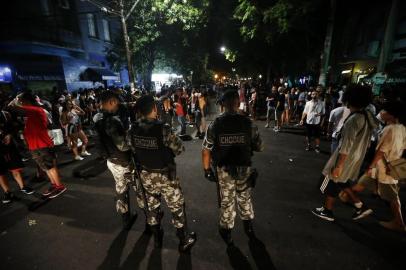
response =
{"points": [[56, 43], [369, 42]]}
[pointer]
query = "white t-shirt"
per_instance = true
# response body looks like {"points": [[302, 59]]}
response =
{"points": [[314, 110], [337, 117], [392, 143]]}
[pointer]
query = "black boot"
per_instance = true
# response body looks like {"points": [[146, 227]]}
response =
{"points": [[248, 228], [226, 235], [186, 239], [128, 220], [158, 235]]}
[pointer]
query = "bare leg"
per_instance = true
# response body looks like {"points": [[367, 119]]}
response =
{"points": [[397, 212], [329, 203], [74, 145], [19, 179], [84, 140], [4, 183], [352, 195], [54, 177]]}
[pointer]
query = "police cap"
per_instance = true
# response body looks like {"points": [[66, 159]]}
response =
{"points": [[145, 105]]}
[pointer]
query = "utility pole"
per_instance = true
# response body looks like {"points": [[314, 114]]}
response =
{"points": [[127, 44], [325, 57], [123, 18]]}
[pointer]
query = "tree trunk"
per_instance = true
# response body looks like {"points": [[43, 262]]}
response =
{"points": [[150, 64], [325, 56]]}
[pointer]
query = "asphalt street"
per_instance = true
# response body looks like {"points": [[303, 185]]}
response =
{"points": [[80, 229]]}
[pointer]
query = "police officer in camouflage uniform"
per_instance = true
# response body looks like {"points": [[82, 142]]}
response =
{"points": [[112, 125], [155, 145], [228, 145]]}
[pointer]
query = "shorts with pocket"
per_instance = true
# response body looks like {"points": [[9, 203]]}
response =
{"points": [[45, 158], [388, 192]]}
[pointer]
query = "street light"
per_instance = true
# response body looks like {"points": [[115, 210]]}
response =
{"points": [[260, 76], [216, 76], [222, 49]]}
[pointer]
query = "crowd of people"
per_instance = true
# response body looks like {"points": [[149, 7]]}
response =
{"points": [[365, 134], [31, 123]]}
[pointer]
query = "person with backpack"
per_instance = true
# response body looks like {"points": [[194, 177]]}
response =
{"points": [[391, 147], [345, 163]]}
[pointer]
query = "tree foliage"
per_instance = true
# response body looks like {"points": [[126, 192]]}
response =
{"points": [[153, 27], [292, 29]]}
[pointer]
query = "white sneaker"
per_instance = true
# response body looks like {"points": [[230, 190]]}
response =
{"points": [[78, 158], [85, 153]]}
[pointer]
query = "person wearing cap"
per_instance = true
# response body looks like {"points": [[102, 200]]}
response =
{"points": [[227, 147], [155, 146]]}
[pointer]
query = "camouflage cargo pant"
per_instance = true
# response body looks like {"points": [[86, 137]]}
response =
{"points": [[157, 185], [232, 190], [123, 178]]}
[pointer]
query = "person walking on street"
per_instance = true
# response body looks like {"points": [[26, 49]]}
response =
{"points": [[391, 147], [70, 117], [229, 142], [10, 159], [155, 145], [280, 108], [345, 163], [38, 141], [112, 128], [313, 111], [271, 100], [181, 111]]}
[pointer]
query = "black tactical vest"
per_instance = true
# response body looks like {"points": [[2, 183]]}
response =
{"points": [[232, 146], [108, 147], [147, 142]]}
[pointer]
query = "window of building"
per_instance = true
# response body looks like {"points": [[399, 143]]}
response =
{"points": [[64, 4], [106, 29], [91, 23]]}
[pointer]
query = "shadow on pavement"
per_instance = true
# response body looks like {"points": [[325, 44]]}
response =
{"points": [[77, 207], [90, 168], [9, 217], [390, 245], [155, 259], [112, 260], [184, 262], [138, 253], [237, 258], [260, 254]]}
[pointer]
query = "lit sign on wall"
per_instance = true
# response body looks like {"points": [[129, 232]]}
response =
{"points": [[5, 74]]}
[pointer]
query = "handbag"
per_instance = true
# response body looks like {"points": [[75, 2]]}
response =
{"points": [[397, 168]]}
